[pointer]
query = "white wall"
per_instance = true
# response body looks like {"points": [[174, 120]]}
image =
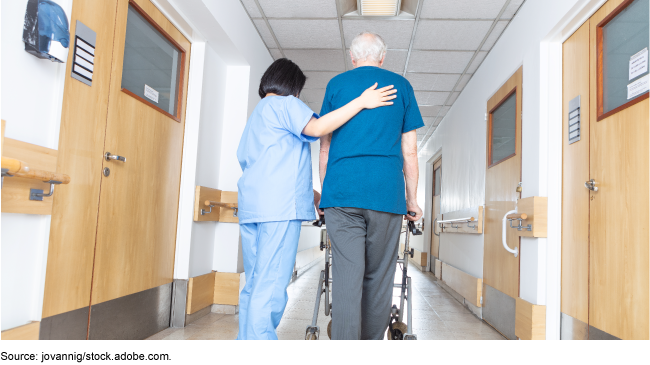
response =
{"points": [[32, 90], [462, 138]]}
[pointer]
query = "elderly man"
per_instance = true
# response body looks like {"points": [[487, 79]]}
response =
{"points": [[363, 168]]}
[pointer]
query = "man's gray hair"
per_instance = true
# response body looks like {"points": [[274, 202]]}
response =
{"points": [[367, 46]]}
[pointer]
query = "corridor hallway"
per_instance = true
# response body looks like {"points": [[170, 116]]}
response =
{"points": [[436, 314]]}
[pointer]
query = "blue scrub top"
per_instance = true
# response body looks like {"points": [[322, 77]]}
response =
{"points": [[365, 164], [276, 159]]}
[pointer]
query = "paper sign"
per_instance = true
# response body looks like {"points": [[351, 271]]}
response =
{"points": [[638, 87], [150, 93], [639, 63]]}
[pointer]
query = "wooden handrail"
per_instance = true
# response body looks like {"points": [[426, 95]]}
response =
{"points": [[20, 169], [458, 220], [219, 204], [517, 216], [14, 166]]}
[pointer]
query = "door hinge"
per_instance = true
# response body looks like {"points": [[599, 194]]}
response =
{"points": [[481, 300], [486, 116]]}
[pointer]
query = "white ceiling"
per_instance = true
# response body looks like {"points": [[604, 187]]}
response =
{"points": [[451, 40]]}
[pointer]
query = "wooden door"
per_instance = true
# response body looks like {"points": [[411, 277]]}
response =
{"points": [[136, 228], [501, 268], [575, 171], [435, 209], [618, 255]]}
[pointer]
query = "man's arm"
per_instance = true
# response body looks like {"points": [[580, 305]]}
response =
{"points": [[411, 172], [322, 160]]}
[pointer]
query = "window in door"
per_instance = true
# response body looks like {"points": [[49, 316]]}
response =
{"points": [[623, 40], [153, 64], [503, 128]]}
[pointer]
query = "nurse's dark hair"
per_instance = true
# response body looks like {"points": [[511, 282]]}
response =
{"points": [[283, 78]]}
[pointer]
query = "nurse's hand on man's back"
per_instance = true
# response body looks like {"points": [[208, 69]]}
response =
{"points": [[374, 98]]}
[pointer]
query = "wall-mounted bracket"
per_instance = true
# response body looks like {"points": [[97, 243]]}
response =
{"points": [[213, 204], [37, 194], [520, 219], [225, 203]]}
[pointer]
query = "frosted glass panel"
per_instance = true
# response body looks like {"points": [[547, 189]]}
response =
{"points": [[624, 36], [504, 126], [152, 64]]}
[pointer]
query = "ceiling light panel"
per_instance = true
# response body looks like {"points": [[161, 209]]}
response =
{"points": [[396, 34], [461, 9], [260, 24], [439, 61], [432, 82], [451, 34], [317, 59], [303, 33], [379, 7], [299, 9]]}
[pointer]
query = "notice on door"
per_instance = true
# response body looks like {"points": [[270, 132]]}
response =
{"points": [[639, 64], [638, 87], [150, 93]]}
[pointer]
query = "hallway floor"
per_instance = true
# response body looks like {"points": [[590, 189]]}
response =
{"points": [[436, 314]]}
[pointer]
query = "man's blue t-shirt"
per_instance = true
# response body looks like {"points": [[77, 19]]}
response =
{"points": [[364, 167]]}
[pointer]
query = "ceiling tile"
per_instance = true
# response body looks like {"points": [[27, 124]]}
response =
{"points": [[463, 82], [251, 8], [275, 53], [260, 24], [443, 111], [437, 122], [312, 95], [422, 131], [394, 61], [432, 82], [318, 80], [316, 107], [462, 9], [301, 33], [420, 138], [429, 110], [451, 34], [299, 9], [477, 62], [512, 9], [317, 59], [428, 120], [494, 35], [396, 34], [453, 98], [439, 62], [431, 97]]}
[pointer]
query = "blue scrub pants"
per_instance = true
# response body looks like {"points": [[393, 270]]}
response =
{"points": [[269, 251]]}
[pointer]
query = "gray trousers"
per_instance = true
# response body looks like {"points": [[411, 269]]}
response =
{"points": [[364, 256]]}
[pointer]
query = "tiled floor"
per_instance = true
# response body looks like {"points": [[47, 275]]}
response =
{"points": [[436, 314]]}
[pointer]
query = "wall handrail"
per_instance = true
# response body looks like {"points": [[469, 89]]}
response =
{"points": [[504, 235], [12, 166], [520, 216], [212, 204], [18, 168], [459, 220]]}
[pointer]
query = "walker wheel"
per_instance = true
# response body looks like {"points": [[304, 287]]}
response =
{"points": [[399, 329], [329, 329], [311, 336]]}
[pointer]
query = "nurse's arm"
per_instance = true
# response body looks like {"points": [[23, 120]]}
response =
{"points": [[370, 99]]}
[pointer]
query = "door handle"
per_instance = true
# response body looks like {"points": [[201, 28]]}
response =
{"points": [[591, 185], [109, 157], [504, 235]]}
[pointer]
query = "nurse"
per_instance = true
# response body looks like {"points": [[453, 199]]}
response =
{"points": [[275, 190]]}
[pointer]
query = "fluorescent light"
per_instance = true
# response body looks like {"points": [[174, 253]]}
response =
{"points": [[379, 7]]}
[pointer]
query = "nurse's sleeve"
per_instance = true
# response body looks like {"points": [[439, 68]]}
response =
{"points": [[297, 115]]}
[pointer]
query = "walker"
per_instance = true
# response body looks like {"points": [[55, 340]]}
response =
{"points": [[397, 330]]}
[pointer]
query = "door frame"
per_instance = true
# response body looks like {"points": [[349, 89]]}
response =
{"points": [[551, 152], [428, 204]]}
